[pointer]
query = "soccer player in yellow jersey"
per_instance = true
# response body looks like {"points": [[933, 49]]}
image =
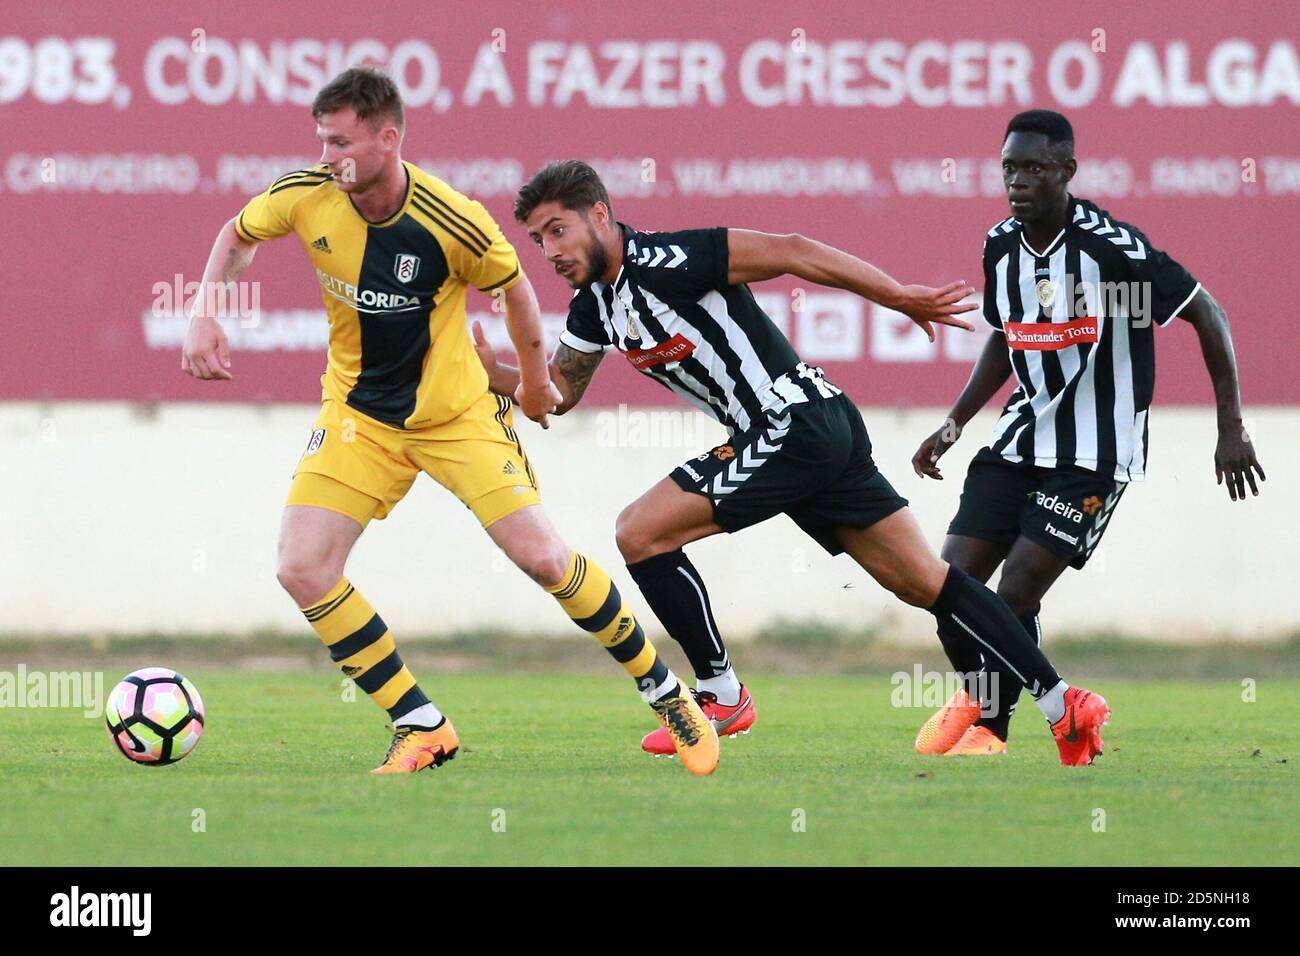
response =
{"points": [[395, 250]]}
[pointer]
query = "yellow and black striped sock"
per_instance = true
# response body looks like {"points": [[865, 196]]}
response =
{"points": [[589, 597], [359, 642]]}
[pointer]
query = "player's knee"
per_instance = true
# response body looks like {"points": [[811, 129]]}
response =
{"points": [[549, 569], [1022, 595], [915, 593], [918, 586], [544, 562], [634, 544], [306, 581]]}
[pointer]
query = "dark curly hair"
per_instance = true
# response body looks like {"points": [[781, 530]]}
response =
{"points": [[570, 182]]}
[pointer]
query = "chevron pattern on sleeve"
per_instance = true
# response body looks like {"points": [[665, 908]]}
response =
{"points": [[1006, 225], [1131, 245], [657, 256]]}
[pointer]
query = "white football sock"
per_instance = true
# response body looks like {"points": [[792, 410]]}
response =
{"points": [[1052, 704], [665, 689], [726, 687], [426, 715]]}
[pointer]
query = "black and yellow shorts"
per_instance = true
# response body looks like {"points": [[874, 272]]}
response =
{"points": [[362, 468]]}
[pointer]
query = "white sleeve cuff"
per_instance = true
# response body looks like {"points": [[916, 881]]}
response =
{"points": [[580, 345], [1174, 314]]}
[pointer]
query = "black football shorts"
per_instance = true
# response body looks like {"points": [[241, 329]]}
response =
{"points": [[812, 462], [1066, 510]]}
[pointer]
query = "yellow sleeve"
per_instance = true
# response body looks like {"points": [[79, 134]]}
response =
{"points": [[479, 253], [269, 215]]}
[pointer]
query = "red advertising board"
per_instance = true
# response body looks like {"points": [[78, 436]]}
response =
{"points": [[131, 132]]}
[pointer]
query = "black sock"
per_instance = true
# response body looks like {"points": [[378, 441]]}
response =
{"points": [[977, 611], [1005, 687], [676, 593], [963, 653]]}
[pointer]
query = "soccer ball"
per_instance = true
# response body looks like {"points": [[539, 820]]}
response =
{"points": [[154, 716]]}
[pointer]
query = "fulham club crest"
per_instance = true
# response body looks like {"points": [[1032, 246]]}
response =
{"points": [[406, 266]]}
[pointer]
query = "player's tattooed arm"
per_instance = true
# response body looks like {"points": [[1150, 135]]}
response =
{"points": [[238, 258], [1234, 455], [571, 371]]}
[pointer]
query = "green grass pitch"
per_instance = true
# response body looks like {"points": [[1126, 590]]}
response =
{"points": [[550, 772]]}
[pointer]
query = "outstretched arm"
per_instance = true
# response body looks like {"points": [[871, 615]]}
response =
{"points": [[1234, 457], [755, 256], [206, 353]]}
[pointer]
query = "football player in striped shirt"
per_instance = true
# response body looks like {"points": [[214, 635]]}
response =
{"points": [[1073, 296], [395, 251], [678, 306]]}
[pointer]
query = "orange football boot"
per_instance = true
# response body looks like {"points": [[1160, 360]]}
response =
{"points": [[947, 724], [977, 742], [727, 721], [692, 733], [1078, 732], [412, 749]]}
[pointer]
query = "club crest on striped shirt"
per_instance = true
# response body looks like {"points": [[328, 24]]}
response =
{"points": [[1046, 293], [406, 266]]}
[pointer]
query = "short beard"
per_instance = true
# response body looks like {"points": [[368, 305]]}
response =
{"points": [[597, 259]]}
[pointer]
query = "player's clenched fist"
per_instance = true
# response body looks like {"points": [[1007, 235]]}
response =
{"points": [[206, 353], [538, 402]]}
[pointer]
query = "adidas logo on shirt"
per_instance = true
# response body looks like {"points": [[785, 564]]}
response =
{"points": [[322, 244]]}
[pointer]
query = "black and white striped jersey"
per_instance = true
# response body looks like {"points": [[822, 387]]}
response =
{"points": [[672, 313], [1078, 320]]}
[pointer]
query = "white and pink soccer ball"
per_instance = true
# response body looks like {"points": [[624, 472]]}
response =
{"points": [[154, 716]]}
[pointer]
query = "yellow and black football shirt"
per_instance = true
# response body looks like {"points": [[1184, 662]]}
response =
{"points": [[394, 291]]}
